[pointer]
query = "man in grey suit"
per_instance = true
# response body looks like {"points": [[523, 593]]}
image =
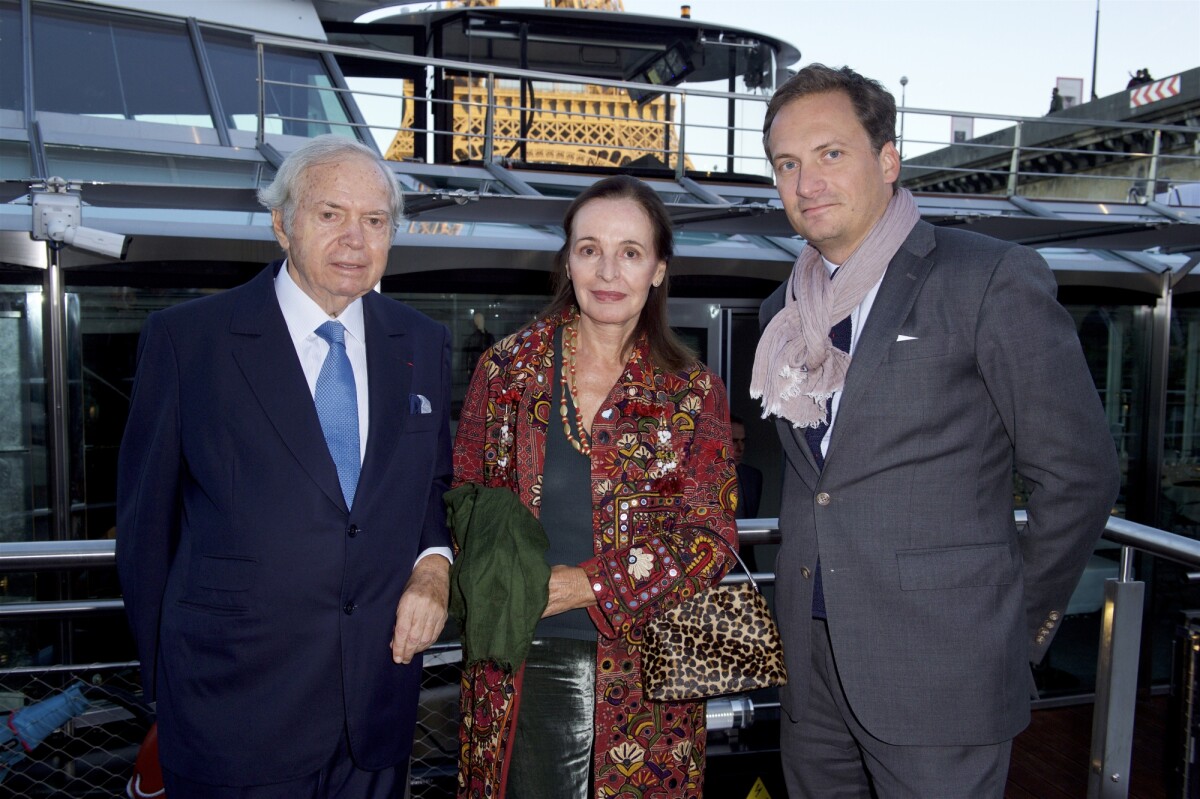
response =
{"points": [[911, 369]]}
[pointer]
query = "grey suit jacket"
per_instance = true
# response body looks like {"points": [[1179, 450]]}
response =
{"points": [[936, 606]]}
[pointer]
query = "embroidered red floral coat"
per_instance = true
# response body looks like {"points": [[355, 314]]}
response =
{"points": [[663, 485]]}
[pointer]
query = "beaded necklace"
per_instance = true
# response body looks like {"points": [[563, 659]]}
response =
{"points": [[570, 346]]}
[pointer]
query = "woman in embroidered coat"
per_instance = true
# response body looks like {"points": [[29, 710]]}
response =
{"points": [[599, 388]]}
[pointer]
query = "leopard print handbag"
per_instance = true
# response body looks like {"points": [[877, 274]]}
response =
{"points": [[721, 641]]}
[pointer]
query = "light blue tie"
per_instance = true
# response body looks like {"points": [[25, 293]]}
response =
{"points": [[337, 408]]}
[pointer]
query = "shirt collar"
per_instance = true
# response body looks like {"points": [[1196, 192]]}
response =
{"points": [[303, 315]]}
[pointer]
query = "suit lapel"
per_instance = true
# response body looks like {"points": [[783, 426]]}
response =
{"points": [[265, 354], [389, 383], [901, 284]]}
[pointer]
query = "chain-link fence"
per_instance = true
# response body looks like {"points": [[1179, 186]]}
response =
{"points": [[434, 767], [91, 753]]}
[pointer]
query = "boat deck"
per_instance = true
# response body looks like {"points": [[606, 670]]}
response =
{"points": [[1050, 758]]}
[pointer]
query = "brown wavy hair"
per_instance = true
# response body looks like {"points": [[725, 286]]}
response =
{"points": [[874, 105], [665, 349]]}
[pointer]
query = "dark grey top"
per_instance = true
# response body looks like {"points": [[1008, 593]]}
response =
{"points": [[566, 507]]}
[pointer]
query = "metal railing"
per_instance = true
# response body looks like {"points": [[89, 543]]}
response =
{"points": [[1009, 160], [1117, 664]]}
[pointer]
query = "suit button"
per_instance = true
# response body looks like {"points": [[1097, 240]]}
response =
{"points": [[348, 608], [824, 499], [352, 530], [1054, 615], [805, 573]]}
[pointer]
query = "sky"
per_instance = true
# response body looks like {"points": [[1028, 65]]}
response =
{"points": [[1001, 56], [989, 56]]}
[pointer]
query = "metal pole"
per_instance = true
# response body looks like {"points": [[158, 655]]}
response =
{"points": [[489, 123], [1152, 178], [731, 115], [58, 429], [1116, 685], [1015, 165], [1144, 489], [262, 98], [903, 92], [679, 166], [1095, 50]]}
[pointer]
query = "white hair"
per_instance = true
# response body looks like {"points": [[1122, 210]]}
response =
{"points": [[281, 195]]}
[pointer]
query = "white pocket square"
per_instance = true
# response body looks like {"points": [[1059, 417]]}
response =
{"points": [[903, 337], [419, 404]]}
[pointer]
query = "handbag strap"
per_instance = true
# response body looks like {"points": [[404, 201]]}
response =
{"points": [[741, 562]]}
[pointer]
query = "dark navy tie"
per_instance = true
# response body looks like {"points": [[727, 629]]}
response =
{"points": [[840, 336], [337, 408]]}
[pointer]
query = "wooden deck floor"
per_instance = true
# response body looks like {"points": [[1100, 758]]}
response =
{"points": [[1050, 758]]}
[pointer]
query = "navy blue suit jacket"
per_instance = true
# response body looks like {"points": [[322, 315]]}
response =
{"points": [[261, 607]]}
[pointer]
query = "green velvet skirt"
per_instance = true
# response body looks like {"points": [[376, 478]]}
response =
{"points": [[552, 750]]}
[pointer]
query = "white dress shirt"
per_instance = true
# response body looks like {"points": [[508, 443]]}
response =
{"points": [[303, 316], [858, 318]]}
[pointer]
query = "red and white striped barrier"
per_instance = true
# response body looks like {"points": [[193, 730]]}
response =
{"points": [[1153, 92]]}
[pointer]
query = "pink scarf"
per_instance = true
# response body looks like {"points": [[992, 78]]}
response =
{"points": [[797, 368]]}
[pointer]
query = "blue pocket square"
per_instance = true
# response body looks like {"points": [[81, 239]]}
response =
{"points": [[419, 404]]}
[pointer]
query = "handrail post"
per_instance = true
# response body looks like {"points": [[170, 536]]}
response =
{"points": [[262, 98], [1015, 164], [1116, 684], [1152, 177], [679, 170], [58, 409], [489, 122]]}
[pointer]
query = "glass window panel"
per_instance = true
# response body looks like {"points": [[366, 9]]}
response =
{"points": [[1180, 501], [466, 179], [476, 321], [701, 239], [14, 161], [110, 322], [1111, 336], [23, 477], [87, 163], [384, 103], [300, 99], [1174, 593], [12, 55], [111, 66]]}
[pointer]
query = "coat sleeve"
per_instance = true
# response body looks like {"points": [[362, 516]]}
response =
{"points": [[434, 533], [657, 573], [1032, 363], [148, 491]]}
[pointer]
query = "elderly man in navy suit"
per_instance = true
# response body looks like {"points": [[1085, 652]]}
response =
{"points": [[911, 370], [281, 537]]}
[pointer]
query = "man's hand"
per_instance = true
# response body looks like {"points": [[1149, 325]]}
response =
{"points": [[421, 612]]}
